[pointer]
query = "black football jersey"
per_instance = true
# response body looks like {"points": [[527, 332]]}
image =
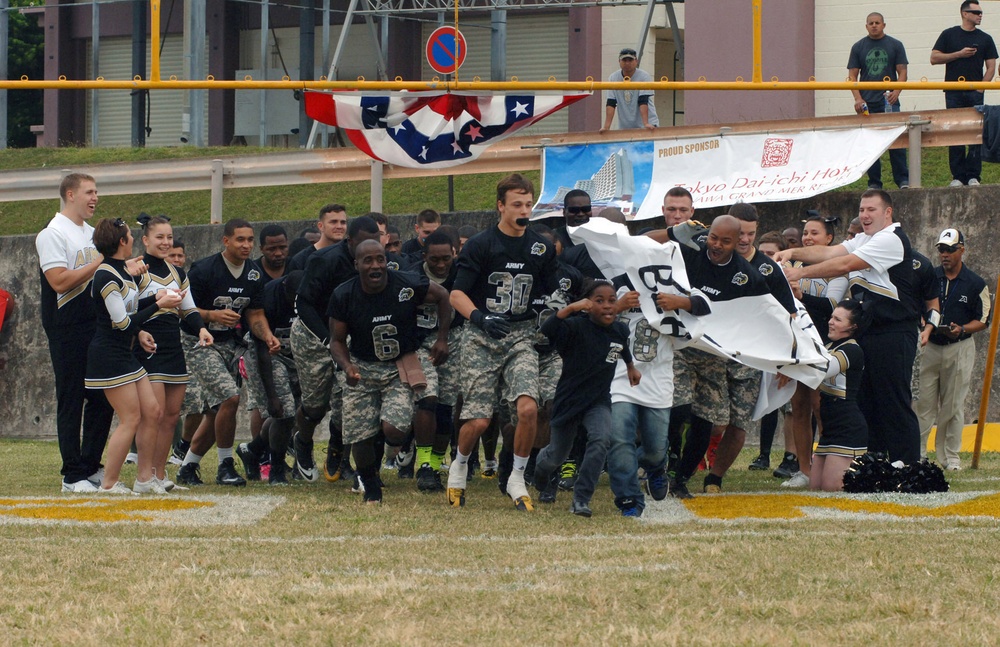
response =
{"points": [[502, 274], [326, 269], [774, 276], [279, 313], [213, 287], [382, 327], [735, 279]]}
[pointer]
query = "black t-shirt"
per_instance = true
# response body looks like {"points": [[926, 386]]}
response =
{"points": [[590, 356], [213, 287], [963, 299], [955, 39], [427, 317], [876, 59], [326, 269], [775, 279], [579, 258], [412, 247], [502, 274], [259, 261], [563, 236], [382, 327], [279, 313], [735, 279], [571, 282], [299, 261]]}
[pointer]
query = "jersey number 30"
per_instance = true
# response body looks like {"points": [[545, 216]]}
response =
{"points": [[513, 293]]}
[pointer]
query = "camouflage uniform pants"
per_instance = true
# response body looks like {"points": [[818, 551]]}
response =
{"points": [[286, 384], [381, 396], [743, 384], [215, 368], [320, 387], [709, 388], [683, 376], [448, 385], [490, 367]]}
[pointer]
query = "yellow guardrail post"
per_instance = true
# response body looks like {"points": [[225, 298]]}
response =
{"points": [[154, 28], [758, 72]]}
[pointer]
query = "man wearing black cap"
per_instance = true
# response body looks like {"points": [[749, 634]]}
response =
{"points": [[635, 107], [946, 363]]}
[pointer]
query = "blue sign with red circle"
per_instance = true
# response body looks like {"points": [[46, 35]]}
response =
{"points": [[446, 50]]}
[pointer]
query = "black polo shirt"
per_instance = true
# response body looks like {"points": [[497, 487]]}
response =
{"points": [[963, 299]]}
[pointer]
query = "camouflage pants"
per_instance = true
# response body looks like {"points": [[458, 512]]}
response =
{"points": [[709, 388], [215, 368], [317, 376], [194, 398], [381, 396], [286, 384], [490, 367], [448, 384], [743, 384], [682, 377]]}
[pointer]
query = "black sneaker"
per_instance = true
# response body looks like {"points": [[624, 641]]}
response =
{"points": [[567, 476], [581, 509], [761, 463], [179, 451], [547, 494], [628, 507], [678, 489], [789, 465], [251, 464], [190, 474], [474, 468], [373, 491], [405, 470], [656, 485], [227, 474], [331, 468], [305, 466], [278, 475], [428, 479], [505, 469]]}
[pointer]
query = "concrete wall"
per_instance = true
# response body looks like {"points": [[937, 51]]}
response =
{"points": [[27, 401]]}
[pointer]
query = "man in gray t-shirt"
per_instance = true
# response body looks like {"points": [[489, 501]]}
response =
{"points": [[875, 58], [635, 107]]}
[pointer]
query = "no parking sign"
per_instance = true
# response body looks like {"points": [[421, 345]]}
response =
{"points": [[446, 50]]}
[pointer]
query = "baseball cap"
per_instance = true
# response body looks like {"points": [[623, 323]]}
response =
{"points": [[627, 52], [951, 237]]}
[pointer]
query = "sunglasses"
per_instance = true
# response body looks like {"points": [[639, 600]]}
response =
{"points": [[577, 210], [976, 12], [948, 249]]}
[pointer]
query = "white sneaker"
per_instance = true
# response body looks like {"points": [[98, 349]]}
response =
{"points": [[358, 487], [131, 458], [97, 477], [973, 182], [954, 468], [152, 486], [117, 488], [80, 487], [165, 483], [173, 460], [957, 183], [799, 479]]}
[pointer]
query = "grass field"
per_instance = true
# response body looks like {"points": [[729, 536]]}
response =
{"points": [[316, 566]]}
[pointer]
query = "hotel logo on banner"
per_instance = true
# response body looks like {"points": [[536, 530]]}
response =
{"points": [[724, 170]]}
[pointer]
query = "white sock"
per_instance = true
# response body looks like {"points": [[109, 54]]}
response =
{"points": [[191, 457], [225, 453], [520, 464], [458, 471]]}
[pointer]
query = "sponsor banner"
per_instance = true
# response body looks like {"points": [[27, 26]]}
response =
{"points": [[717, 170]]}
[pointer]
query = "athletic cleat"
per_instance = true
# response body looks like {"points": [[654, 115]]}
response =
{"points": [[473, 468], [678, 489], [305, 466], [227, 474], [190, 474], [179, 451], [357, 487], [581, 509], [789, 465], [761, 463], [347, 472], [79, 487], [405, 471], [373, 492], [798, 480], [251, 464], [331, 468], [152, 486], [489, 470], [456, 497], [523, 504], [656, 485], [567, 476], [548, 493], [428, 480], [506, 467], [118, 488]]}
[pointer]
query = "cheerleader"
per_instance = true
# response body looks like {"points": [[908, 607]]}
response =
{"points": [[166, 369], [111, 364], [845, 433]]}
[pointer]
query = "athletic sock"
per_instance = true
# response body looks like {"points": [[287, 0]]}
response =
{"points": [[436, 459], [515, 484], [225, 453], [458, 471], [191, 457], [423, 455]]}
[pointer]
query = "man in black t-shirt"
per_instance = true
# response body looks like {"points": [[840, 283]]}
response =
{"points": [[228, 290], [500, 271], [325, 271], [965, 50], [877, 57], [273, 252], [378, 311], [576, 212]]}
